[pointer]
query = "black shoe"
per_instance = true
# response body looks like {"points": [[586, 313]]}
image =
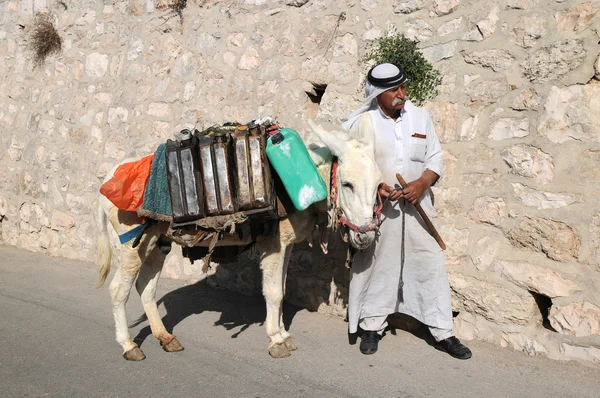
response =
{"points": [[454, 347], [369, 342]]}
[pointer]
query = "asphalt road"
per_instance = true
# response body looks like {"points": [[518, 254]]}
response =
{"points": [[58, 341]]}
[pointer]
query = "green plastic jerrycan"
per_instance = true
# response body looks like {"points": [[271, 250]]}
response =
{"points": [[290, 159]]}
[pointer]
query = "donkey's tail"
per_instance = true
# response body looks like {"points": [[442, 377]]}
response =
{"points": [[104, 250]]}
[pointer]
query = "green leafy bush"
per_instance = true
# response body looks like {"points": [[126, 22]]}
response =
{"points": [[423, 79]]}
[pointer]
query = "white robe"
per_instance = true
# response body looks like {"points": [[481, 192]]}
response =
{"points": [[375, 281]]}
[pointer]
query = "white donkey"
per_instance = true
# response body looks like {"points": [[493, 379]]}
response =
{"points": [[357, 180]]}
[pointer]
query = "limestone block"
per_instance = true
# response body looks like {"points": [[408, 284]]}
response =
{"points": [[236, 40], [448, 83], [250, 59], [506, 128], [15, 151], [206, 44], [469, 327], [495, 59], [555, 239], [457, 242], [372, 30], [115, 147], [485, 252], [529, 161], [535, 278], [486, 92], [439, 52], [443, 7], [368, 5], [447, 201], [576, 319], [528, 30], [493, 302], [240, 89], [524, 343], [267, 90], [489, 210], [575, 18], [594, 237], [288, 46], [136, 47], [527, 99], [597, 68], [189, 90], [135, 7], [571, 113], [407, 6], [451, 26], [478, 159], [188, 64], [343, 73], [229, 58], [444, 116], [541, 199], [335, 106], [588, 166], [108, 11], [117, 117], [61, 221], [448, 164], [418, 30], [587, 354], [554, 61], [487, 25], [158, 109], [96, 64], [77, 204], [345, 45], [172, 46]]}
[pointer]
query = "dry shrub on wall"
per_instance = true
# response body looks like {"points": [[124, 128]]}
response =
{"points": [[423, 79], [177, 6], [44, 39]]}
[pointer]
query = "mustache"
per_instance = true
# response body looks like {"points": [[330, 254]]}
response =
{"points": [[398, 101]]}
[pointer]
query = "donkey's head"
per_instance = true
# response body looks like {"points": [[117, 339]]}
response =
{"points": [[357, 179]]}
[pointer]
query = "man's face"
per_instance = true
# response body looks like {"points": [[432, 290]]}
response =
{"points": [[393, 99]]}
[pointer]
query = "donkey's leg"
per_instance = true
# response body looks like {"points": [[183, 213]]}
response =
{"points": [[289, 342], [272, 265], [120, 287], [146, 287]]}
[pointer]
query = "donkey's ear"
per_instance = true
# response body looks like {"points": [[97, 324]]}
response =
{"points": [[365, 132], [337, 143]]}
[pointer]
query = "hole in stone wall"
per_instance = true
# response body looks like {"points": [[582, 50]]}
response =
{"points": [[315, 95], [544, 303]]}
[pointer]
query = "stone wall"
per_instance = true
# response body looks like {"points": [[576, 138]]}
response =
{"points": [[518, 116]]}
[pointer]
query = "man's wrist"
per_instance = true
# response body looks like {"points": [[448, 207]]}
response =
{"points": [[429, 177]]}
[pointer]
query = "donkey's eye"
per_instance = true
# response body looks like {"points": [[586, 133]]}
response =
{"points": [[348, 185]]}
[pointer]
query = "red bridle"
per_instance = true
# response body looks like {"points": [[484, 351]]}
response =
{"points": [[342, 220]]}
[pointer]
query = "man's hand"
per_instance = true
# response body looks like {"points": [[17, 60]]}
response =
{"points": [[415, 190], [388, 192]]}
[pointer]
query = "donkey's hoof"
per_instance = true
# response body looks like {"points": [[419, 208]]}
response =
{"points": [[172, 345], [279, 351], [135, 354], [289, 343]]}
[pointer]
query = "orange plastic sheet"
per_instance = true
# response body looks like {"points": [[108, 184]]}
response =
{"points": [[126, 188]]}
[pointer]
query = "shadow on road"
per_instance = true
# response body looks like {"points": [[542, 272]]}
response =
{"points": [[238, 312]]}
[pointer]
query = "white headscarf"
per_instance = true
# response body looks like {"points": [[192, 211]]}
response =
{"points": [[380, 78]]}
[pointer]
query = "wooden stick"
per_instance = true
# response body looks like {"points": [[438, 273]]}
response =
{"points": [[420, 210]]}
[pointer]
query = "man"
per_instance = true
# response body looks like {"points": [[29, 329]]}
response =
{"points": [[403, 271]]}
